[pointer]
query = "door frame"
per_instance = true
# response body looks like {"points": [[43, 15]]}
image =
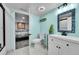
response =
{"points": [[21, 12]]}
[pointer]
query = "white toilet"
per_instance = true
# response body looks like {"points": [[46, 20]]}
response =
{"points": [[37, 41]]}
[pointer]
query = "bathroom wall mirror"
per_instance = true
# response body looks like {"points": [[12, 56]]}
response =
{"points": [[22, 22], [21, 25], [2, 27], [66, 21]]}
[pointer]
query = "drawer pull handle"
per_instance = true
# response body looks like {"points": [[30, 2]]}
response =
{"points": [[67, 44], [59, 47]]}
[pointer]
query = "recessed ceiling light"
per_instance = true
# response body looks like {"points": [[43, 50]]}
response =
{"points": [[23, 17], [41, 9]]}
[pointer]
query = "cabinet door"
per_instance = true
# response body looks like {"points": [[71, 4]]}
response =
{"points": [[53, 50], [52, 47], [69, 49]]}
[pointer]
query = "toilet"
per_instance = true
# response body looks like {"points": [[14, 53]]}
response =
{"points": [[37, 41]]}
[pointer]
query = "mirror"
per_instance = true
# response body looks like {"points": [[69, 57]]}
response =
{"points": [[21, 25], [2, 27], [22, 22], [66, 21]]}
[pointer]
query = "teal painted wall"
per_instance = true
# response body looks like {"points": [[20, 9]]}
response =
{"points": [[34, 26], [52, 19]]}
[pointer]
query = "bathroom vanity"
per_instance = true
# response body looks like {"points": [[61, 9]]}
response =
{"points": [[22, 36], [63, 45]]}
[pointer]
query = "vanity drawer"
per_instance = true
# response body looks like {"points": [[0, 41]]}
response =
{"points": [[63, 45], [59, 41]]}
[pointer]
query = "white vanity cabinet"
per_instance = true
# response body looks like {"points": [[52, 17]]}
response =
{"points": [[72, 49], [52, 47], [60, 45]]}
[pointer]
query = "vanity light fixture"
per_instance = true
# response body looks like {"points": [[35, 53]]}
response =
{"points": [[63, 5]]}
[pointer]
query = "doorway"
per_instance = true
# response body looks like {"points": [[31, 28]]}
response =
{"points": [[21, 30]]}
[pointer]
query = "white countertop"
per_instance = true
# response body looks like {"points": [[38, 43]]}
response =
{"points": [[21, 34], [66, 38]]}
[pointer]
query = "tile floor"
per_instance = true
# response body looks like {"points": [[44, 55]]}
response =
{"points": [[38, 49], [21, 51], [21, 44]]}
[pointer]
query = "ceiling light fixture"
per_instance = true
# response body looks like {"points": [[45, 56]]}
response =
{"points": [[23, 17], [41, 9]]}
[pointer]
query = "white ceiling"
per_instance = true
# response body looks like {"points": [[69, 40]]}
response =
{"points": [[33, 7]]}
